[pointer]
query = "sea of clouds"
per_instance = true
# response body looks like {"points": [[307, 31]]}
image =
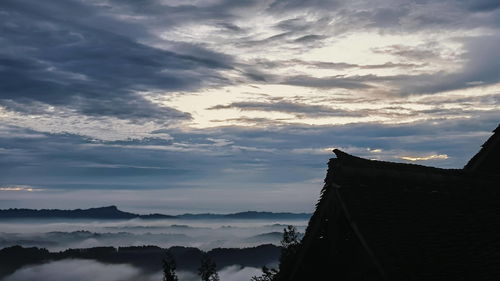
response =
{"points": [[61, 234], [84, 270]]}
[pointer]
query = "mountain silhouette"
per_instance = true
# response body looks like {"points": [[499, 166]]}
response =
{"points": [[112, 212]]}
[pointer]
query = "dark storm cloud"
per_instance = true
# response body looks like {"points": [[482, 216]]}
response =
{"points": [[51, 54]]}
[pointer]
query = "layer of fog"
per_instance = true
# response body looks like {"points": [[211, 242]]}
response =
{"points": [[230, 273], [57, 235], [84, 270]]}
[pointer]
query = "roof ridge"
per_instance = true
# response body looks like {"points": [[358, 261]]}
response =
{"points": [[349, 158], [477, 162]]}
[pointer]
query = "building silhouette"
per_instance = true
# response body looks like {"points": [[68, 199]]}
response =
{"points": [[380, 220]]}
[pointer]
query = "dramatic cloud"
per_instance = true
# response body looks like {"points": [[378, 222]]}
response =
{"points": [[51, 56], [222, 105]]}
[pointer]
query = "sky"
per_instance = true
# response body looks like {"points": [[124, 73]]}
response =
{"points": [[221, 105]]}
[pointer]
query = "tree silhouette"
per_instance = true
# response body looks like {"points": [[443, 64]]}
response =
{"points": [[290, 237], [268, 274], [290, 244], [169, 267], [208, 269]]}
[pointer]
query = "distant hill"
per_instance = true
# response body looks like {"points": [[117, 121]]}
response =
{"points": [[112, 212], [247, 215]]}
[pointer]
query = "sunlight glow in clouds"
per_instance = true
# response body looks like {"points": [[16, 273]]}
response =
{"points": [[342, 109], [368, 48], [20, 188], [424, 158]]}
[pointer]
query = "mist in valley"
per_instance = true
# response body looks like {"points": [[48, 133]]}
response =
{"points": [[84, 270], [61, 234]]}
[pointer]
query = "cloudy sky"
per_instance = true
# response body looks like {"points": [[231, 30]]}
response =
{"points": [[223, 105]]}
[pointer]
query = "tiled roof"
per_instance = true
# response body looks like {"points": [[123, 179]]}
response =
{"points": [[380, 220], [423, 223]]}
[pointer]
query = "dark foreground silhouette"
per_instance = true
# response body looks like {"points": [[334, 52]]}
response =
{"points": [[379, 220], [147, 258]]}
